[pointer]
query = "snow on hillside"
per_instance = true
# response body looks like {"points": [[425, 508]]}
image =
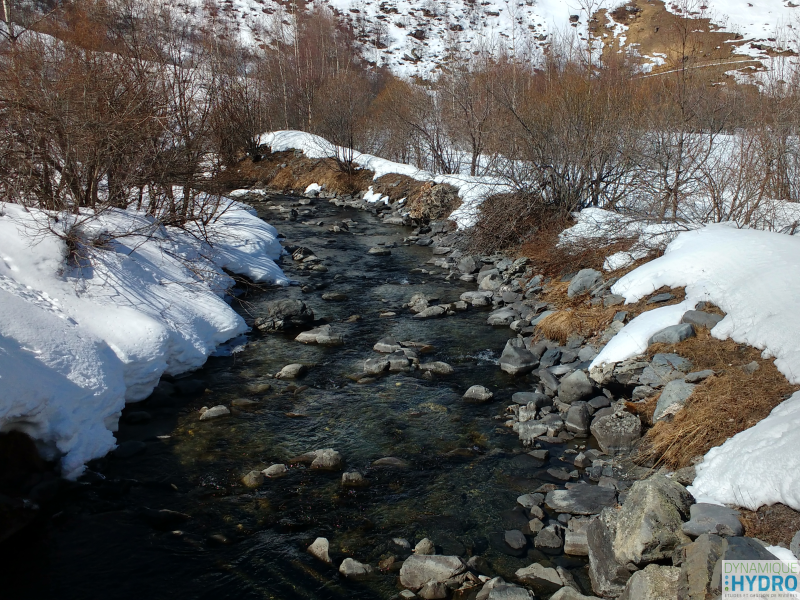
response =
{"points": [[78, 340], [472, 190], [414, 37]]}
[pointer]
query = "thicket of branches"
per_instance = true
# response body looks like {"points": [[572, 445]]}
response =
{"points": [[113, 103]]}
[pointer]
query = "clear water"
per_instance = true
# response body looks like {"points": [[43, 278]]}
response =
{"points": [[466, 468]]}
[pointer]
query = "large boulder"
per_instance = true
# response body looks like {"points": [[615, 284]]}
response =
{"points": [[649, 523], [654, 582], [575, 386], [567, 593], [578, 418], [419, 569], [516, 359], [608, 577], [543, 580], [701, 319], [581, 499], [617, 433], [323, 336], [584, 281], [352, 569], [478, 393], [673, 334], [712, 518], [284, 314], [697, 567], [672, 398]]}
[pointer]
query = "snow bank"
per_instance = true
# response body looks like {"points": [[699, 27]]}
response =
{"points": [[758, 466], [753, 276], [78, 340], [472, 190]]}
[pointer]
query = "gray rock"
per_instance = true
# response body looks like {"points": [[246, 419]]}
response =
{"points": [[515, 539], [323, 336], [530, 500], [319, 549], [516, 359], [698, 376], [431, 311], [528, 431], [214, 412], [387, 345], [275, 471], [613, 300], [378, 251], [673, 334], [478, 393], [649, 523], [334, 296], [750, 367], [417, 570], [701, 319], [576, 543], [468, 265], [292, 371], [599, 402], [672, 398], [578, 418], [608, 577], [613, 329], [433, 590], [490, 281], [375, 366], [654, 582], [253, 479], [352, 569], [548, 380], [437, 368], [581, 499], [585, 280], [543, 580], [567, 593], [659, 298], [551, 357], [587, 353], [353, 479], [327, 459], [398, 362], [550, 539], [670, 361], [284, 314], [391, 461], [527, 398], [575, 386], [616, 433], [425, 546], [620, 316], [711, 518], [500, 590], [697, 567], [794, 545], [502, 317]]}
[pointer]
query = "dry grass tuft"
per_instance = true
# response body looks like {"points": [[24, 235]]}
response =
{"points": [[644, 408], [721, 406], [775, 524], [585, 321]]}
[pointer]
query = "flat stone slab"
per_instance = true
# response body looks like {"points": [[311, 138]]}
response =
{"points": [[581, 499], [712, 518]]}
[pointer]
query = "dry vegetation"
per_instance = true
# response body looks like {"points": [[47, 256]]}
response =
{"points": [[775, 524], [720, 407]]}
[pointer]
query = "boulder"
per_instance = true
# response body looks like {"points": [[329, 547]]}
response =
{"points": [[550, 539], [516, 359], [502, 317], [617, 433], [292, 371], [375, 366], [575, 386], [491, 281], [284, 314], [319, 549], [387, 345], [515, 539], [353, 479], [578, 418], [697, 567], [327, 459], [436, 367], [649, 523], [673, 334], [431, 311], [275, 471], [433, 590], [698, 376], [536, 398], [543, 580], [352, 569], [701, 319], [253, 479], [654, 582], [418, 569], [581, 499], [712, 518], [567, 593], [468, 265], [478, 393], [608, 577], [672, 398], [214, 412], [497, 589], [323, 336], [378, 251], [584, 281]]}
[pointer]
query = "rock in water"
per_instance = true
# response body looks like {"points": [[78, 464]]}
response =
{"points": [[275, 471], [253, 479], [319, 549], [417, 570], [352, 569], [284, 314], [437, 367], [292, 371], [322, 336], [387, 345], [327, 460], [424, 546], [581, 499], [478, 393], [516, 359], [214, 412]]}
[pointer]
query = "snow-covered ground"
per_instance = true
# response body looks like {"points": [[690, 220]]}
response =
{"points": [[80, 338], [472, 190], [754, 277]]}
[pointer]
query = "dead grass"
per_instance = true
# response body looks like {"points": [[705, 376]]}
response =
{"points": [[644, 408], [774, 524], [586, 321], [721, 406]]}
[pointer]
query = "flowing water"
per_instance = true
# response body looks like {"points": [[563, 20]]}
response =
{"points": [[465, 468]]}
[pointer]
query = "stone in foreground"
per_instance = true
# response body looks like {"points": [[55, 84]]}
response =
{"points": [[417, 570]]}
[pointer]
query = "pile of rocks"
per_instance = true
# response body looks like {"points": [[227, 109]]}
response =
{"points": [[402, 357]]}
